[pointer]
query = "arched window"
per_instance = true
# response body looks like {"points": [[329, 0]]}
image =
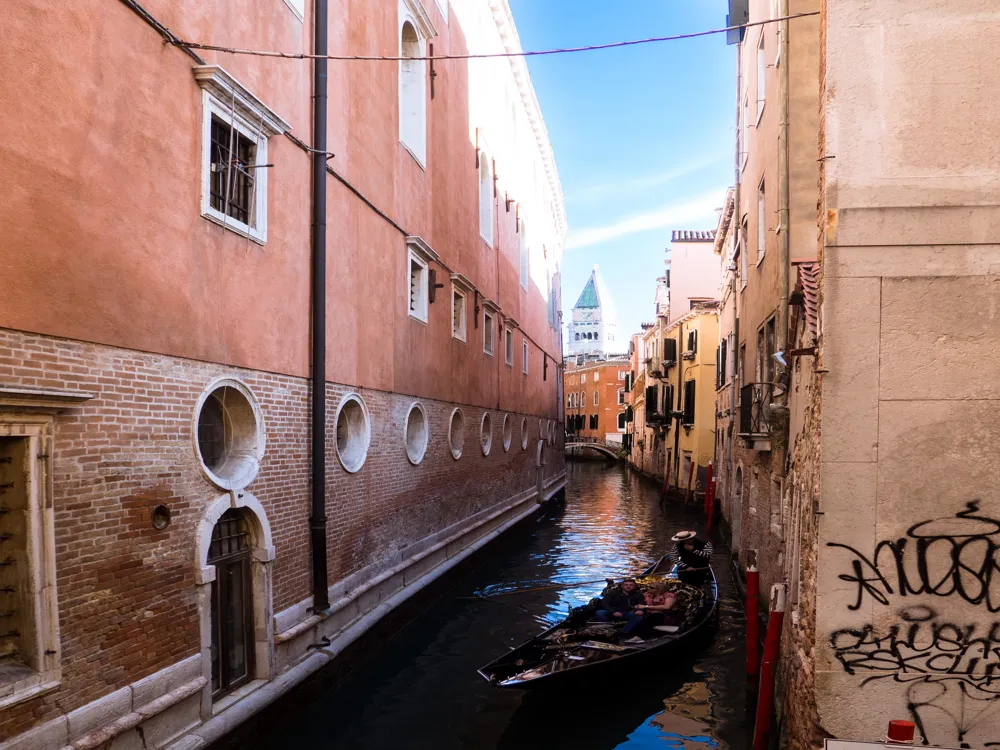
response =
{"points": [[412, 93], [621, 421], [486, 197], [578, 337], [596, 397], [232, 603]]}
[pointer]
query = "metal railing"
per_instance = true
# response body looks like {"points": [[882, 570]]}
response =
{"points": [[755, 402]]}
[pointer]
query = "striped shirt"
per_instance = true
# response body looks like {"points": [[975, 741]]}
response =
{"points": [[698, 556]]}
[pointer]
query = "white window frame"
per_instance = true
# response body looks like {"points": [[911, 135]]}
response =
{"points": [[597, 398], [524, 355], [524, 254], [489, 326], [458, 297], [46, 673], [419, 252], [224, 97], [761, 76], [622, 423], [761, 219], [621, 396], [487, 199], [412, 12], [508, 346]]}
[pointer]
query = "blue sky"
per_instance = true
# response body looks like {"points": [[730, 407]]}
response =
{"points": [[643, 136]]}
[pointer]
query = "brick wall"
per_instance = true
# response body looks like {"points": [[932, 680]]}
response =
{"points": [[127, 604]]}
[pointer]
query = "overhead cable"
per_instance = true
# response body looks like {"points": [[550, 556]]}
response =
{"points": [[529, 53]]}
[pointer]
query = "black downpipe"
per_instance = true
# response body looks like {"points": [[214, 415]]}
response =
{"points": [[317, 520]]}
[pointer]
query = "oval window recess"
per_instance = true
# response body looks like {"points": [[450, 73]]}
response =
{"points": [[456, 434], [486, 434], [416, 434], [229, 434], [524, 433], [161, 517], [353, 432], [508, 430], [540, 454]]}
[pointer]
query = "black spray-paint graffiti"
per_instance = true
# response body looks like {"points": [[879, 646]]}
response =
{"points": [[952, 672], [953, 556]]}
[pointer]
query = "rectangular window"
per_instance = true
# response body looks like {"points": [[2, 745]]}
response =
{"points": [[689, 395], [524, 356], [458, 314], [761, 222], [744, 233], [761, 76], [234, 160], [29, 643], [761, 356], [508, 346], [418, 276], [651, 399], [524, 252], [669, 350], [489, 332], [621, 397], [770, 348], [621, 374]]}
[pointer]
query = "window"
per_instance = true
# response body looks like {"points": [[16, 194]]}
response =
{"points": [[236, 129], [621, 396], [524, 433], [761, 222], [486, 197], [458, 314], [597, 375], [508, 431], [744, 233], [489, 332], [741, 373], [621, 374], [593, 422], [689, 402], [232, 611], [416, 435], [353, 432], [761, 356], [621, 422], [412, 91], [769, 348], [486, 434], [761, 76], [230, 434], [524, 255], [419, 255], [29, 641], [508, 346], [692, 341], [524, 356], [596, 397], [456, 434]]}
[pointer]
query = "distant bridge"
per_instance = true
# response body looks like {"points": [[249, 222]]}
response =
{"points": [[602, 448]]}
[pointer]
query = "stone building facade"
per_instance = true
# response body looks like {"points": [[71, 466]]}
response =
{"points": [[155, 393], [595, 399]]}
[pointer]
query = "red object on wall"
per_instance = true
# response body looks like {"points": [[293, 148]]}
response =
{"points": [[901, 732], [711, 506], [753, 624], [687, 498], [708, 486], [768, 666]]}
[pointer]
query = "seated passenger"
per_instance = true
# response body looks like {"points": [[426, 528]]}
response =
{"points": [[659, 609], [618, 602]]}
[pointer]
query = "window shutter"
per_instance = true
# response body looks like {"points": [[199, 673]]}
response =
{"points": [[670, 350], [689, 396], [651, 405], [718, 360]]}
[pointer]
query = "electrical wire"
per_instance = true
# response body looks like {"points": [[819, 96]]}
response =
{"points": [[473, 56]]}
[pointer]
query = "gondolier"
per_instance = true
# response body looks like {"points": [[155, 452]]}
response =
{"points": [[691, 555]]}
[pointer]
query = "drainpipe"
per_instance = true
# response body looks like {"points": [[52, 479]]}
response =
{"points": [[680, 395], [738, 222], [317, 520], [784, 246]]}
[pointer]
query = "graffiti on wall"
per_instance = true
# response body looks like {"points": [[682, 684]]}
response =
{"points": [[949, 671]]}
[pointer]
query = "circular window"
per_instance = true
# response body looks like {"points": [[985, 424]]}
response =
{"points": [[353, 432], [508, 430], [486, 434], [524, 433], [456, 433], [229, 429], [416, 434], [540, 454]]}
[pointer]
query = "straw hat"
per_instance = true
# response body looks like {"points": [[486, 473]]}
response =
{"points": [[683, 536]]}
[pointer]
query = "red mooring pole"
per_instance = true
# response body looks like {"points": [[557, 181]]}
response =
{"points": [[711, 506], [768, 667], [753, 621], [666, 480], [687, 498]]}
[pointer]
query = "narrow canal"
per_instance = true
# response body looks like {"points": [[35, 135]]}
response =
{"points": [[421, 690]]}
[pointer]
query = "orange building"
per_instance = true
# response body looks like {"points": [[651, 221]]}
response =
{"points": [[595, 394], [279, 343]]}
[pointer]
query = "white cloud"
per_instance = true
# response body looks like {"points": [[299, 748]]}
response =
{"points": [[638, 183], [678, 215]]}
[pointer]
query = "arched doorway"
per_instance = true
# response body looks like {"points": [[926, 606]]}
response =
{"points": [[232, 646], [737, 508]]}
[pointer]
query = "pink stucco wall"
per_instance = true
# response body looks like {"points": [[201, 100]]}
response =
{"points": [[694, 273]]}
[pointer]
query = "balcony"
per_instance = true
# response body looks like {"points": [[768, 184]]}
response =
{"points": [[756, 420]]}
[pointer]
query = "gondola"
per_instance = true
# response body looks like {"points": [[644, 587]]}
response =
{"points": [[569, 651]]}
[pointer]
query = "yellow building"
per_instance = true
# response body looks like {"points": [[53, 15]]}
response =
{"points": [[678, 397]]}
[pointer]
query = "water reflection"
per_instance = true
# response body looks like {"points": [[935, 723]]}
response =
{"points": [[422, 690]]}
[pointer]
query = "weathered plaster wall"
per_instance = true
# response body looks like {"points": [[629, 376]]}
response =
{"points": [[906, 623]]}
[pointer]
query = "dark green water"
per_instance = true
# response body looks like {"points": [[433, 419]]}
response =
{"points": [[421, 690]]}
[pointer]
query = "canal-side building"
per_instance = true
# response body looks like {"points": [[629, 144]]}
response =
{"points": [[595, 399], [169, 565], [592, 330]]}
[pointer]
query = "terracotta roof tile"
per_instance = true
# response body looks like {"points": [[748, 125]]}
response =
{"points": [[693, 235], [809, 283]]}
